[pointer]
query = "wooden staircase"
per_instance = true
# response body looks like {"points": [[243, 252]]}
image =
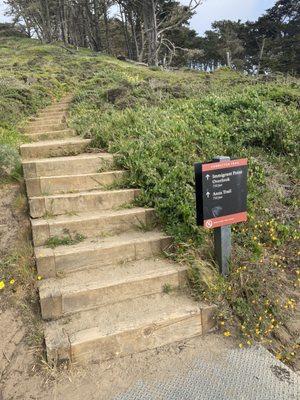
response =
{"points": [[106, 286]]}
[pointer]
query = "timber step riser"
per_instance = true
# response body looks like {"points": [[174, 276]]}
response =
{"points": [[58, 305], [57, 108], [52, 264], [89, 346], [56, 135], [57, 115], [49, 121], [52, 115], [93, 226], [75, 203], [73, 183], [54, 148], [67, 165], [39, 128]]}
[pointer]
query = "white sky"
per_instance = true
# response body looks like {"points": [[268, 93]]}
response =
{"points": [[213, 10]]}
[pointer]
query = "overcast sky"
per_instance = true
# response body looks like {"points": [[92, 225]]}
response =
{"points": [[213, 10]]}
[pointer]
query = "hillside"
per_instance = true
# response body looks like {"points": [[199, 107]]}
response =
{"points": [[159, 123]]}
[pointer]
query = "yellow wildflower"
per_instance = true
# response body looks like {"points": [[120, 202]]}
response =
{"points": [[227, 333], [12, 281], [2, 285]]}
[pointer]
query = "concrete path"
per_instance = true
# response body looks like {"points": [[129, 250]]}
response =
{"points": [[249, 374]]}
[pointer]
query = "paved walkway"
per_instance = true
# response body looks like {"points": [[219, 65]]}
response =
{"points": [[250, 374]]}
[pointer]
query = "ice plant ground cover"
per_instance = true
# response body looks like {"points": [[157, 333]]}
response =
{"points": [[159, 123]]}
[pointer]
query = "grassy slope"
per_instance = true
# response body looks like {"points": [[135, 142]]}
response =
{"points": [[160, 123]]}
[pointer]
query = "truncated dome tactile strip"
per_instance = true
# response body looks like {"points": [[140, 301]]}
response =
{"points": [[250, 374]]}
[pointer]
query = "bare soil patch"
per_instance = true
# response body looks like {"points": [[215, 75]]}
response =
{"points": [[13, 218], [23, 379]]}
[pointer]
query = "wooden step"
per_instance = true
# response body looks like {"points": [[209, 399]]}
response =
{"points": [[92, 253], [58, 166], [52, 114], [54, 135], [93, 288], [54, 148], [92, 224], [125, 328], [44, 186], [48, 119], [41, 127], [74, 203], [56, 108]]}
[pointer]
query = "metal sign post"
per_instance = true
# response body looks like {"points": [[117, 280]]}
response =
{"points": [[221, 200], [222, 240]]}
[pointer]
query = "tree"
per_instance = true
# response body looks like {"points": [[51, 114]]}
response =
{"points": [[158, 32], [229, 46]]}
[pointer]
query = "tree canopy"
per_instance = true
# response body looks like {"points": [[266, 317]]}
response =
{"points": [[158, 32]]}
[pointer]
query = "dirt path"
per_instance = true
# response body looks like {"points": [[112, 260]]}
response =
{"points": [[25, 378], [173, 370]]}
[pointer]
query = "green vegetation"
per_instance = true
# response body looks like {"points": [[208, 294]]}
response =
{"points": [[159, 33], [66, 240], [159, 124], [167, 288]]}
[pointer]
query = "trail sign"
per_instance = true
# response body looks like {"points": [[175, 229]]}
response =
{"points": [[221, 192], [221, 200]]}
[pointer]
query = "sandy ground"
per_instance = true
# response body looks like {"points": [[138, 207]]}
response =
{"points": [[25, 378], [13, 220]]}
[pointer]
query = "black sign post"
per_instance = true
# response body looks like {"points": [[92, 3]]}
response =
{"points": [[221, 199], [222, 240]]}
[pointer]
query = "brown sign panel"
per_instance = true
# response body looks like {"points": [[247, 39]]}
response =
{"points": [[221, 192]]}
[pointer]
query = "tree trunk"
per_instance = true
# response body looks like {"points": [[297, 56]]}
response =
{"points": [[261, 54], [142, 51], [106, 27], [135, 47], [124, 23], [97, 37], [228, 59], [150, 21], [46, 25], [63, 25]]}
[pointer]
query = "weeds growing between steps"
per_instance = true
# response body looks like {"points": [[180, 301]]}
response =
{"points": [[66, 240]]}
